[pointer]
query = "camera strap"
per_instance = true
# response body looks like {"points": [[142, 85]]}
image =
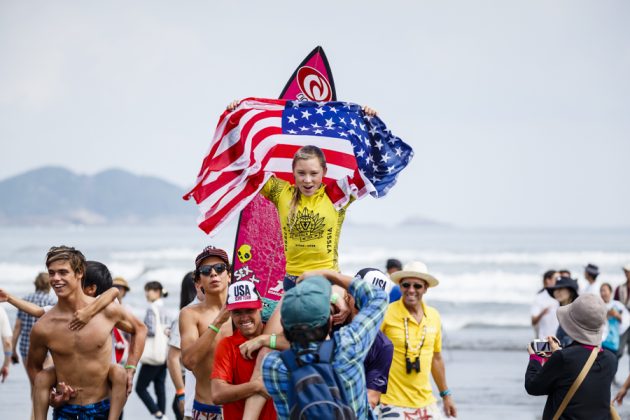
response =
{"points": [[576, 384]]}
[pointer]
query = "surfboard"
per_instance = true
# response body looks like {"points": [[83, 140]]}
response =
{"points": [[259, 247]]}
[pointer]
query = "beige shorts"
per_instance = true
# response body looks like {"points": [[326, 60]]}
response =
{"points": [[430, 412]]}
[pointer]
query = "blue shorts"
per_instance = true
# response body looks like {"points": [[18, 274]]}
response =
{"points": [[202, 411], [96, 411]]}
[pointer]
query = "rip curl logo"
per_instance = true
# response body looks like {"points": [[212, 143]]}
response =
{"points": [[306, 225], [313, 85]]}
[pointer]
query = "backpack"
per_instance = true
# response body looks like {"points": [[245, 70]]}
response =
{"points": [[314, 392]]}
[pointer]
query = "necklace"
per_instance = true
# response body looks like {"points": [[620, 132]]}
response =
{"points": [[417, 348]]}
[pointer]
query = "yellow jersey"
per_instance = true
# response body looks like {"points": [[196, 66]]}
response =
{"points": [[311, 232], [411, 389]]}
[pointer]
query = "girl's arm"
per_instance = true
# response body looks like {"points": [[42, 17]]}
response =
{"points": [[83, 316], [23, 305]]}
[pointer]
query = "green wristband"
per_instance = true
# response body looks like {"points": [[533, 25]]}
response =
{"points": [[213, 328], [130, 367], [272, 342], [334, 298]]}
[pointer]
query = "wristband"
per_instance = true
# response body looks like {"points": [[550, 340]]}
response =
{"points": [[213, 328], [445, 393], [180, 397], [272, 342], [334, 298], [130, 367], [180, 391], [8, 353]]}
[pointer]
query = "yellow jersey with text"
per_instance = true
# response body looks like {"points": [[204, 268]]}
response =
{"points": [[425, 338], [311, 232]]}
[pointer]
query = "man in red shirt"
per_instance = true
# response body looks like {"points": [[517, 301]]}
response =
{"points": [[231, 374]]}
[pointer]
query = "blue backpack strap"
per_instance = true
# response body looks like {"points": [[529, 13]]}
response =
{"points": [[288, 357], [325, 351]]}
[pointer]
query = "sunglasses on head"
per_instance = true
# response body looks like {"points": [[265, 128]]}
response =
{"points": [[416, 286], [207, 269]]}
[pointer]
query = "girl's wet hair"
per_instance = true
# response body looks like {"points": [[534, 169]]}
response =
{"points": [[309, 152], [156, 285]]}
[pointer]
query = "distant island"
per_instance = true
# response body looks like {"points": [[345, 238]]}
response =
{"points": [[57, 196], [423, 222]]}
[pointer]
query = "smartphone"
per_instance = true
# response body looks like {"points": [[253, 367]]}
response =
{"points": [[542, 346]]}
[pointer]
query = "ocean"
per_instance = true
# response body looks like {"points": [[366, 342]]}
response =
{"points": [[488, 278]]}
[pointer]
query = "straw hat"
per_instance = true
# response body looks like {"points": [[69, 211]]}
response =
{"points": [[415, 270], [626, 267], [121, 282], [583, 320]]}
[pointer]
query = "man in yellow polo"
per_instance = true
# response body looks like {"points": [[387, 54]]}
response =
{"points": [[415, 329]]}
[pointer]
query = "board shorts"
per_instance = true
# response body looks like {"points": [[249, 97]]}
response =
{"points": [[96, 411], [430, 412], [202, 411]]}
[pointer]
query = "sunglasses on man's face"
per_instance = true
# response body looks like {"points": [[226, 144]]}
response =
{"points": [[408, 285], [207, 269]]}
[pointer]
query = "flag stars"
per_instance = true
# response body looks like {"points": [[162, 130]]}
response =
{"points": [[306, 114], [390, 169], [319, 111], [303, 128], [329, 123], [342, 120], [378, 144], [292, 119], [353, 122], [361, 153], [398, 151], [385, 157], [291, 131], [373, 131], [318, 131]]}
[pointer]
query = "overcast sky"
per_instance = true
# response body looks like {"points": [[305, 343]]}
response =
{"points": [[519, 112]]}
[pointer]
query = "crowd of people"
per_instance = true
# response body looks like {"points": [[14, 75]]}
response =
{"points": [[586, 331], [381, 350]]}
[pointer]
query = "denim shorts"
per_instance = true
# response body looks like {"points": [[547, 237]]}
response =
{"points": [[96, 411]]}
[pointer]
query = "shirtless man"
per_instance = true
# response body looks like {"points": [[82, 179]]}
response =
{"points": [[81, 357], [203, 325]]}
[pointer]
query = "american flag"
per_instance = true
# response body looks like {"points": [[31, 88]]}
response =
{"points": [[259, 138]]}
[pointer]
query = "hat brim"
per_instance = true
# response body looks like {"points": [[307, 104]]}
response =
{"points": [[579, 334], [256, 304], [404, 274], [122, 286]]}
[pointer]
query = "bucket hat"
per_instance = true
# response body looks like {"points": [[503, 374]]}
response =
{"points": [[583, 320]]}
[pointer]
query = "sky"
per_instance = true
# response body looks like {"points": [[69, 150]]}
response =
{"points": [[518, 111]]}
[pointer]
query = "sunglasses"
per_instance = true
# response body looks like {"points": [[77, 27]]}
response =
{"points": [[408, 285], [207, 269]]}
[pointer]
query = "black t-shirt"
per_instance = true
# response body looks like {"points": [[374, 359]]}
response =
{"points": [[592, 399]]}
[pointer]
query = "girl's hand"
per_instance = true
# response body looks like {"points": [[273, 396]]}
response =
{"points": [[80, 318], [249, 347], [370, 112], [232, 105]]}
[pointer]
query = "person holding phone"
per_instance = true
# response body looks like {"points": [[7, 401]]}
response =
{"points": [[583, 321]]}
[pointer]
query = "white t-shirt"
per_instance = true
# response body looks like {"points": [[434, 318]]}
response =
{"points": [[5, 326], [548, 324], [591, 288]]}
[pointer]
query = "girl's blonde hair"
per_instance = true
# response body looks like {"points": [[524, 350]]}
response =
{"points": [[305, 153]]}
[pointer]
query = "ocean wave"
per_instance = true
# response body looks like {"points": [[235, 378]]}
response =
{"points": [[559, 259]]}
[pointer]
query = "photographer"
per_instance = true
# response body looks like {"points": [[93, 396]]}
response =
{"points": [[553, 373]]}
